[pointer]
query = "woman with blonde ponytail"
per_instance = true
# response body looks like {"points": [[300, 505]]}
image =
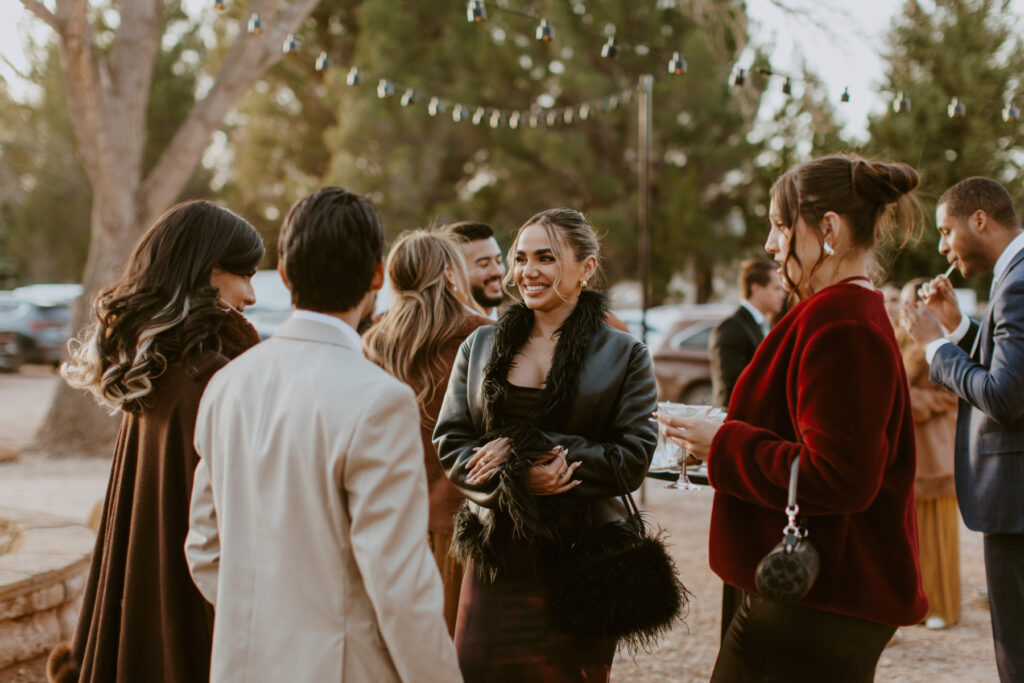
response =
{"points": [[416, 342], [161, 331]]}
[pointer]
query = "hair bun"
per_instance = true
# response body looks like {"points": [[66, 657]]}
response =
{"points": [[882, 183]]}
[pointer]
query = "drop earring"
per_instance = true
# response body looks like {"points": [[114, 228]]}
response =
{"points": [[829, 251]]}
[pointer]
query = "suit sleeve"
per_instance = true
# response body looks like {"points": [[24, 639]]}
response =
{"points": [[996, 390], [384, 481], [202, 543], [730, 353], [841, 415]]}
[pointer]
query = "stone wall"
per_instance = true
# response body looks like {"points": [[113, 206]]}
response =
{"points": [[41, 584]]}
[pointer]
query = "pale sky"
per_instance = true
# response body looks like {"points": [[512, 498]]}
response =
{"points": [[844, 54]]}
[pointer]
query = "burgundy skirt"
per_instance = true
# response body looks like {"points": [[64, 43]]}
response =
{"points": [[504, 633]]}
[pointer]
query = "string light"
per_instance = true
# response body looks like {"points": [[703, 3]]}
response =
{"points": [[584, 111], [478, 116], [218, 5], [551, 118], [385, 89], [569, 115], [496, 118], [514, 119], [740, 77], [459, 113], [901, 103], [787, 86], [290, 46], [677, 65], [353, 77], [408, 97], [845, 97], [255, 24], [534, 120], [1011, 113], [610, 49], [475, 12], [545, 33], [322, 61], [956, 109], [435, 106]]}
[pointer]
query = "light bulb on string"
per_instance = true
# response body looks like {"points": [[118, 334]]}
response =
{"points": [[551, 118], [385, 89], [901, 103], [1011, 113], [787, 86], [478, 116], [435, 106], [740, 77], [255, 24], [569, 115], [513, 120], [290, 45], [610, 49], [496, 119], [353, 77], [459, 113], [845, 97], [218, 5], [545, 33], [534, 120], [584, 112], [323, 61], [627, 95], [613, 102], [408, 97], [956, 109], [475, 12], [677, 65]]}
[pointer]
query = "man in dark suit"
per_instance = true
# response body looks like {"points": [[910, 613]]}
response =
{"points": [[983, 364], [736, 338], [732, 345]]}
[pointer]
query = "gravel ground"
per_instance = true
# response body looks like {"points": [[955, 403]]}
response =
{"points": [[961, 654]]}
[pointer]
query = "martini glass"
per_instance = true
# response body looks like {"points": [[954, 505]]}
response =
{"points": [[680, 410]]}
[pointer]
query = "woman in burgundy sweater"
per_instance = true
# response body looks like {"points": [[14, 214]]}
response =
{"points": [[827, 384]]}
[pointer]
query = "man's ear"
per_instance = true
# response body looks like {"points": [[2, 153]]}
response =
{"points": [[284, 278], [378, 276], [979, 221]]}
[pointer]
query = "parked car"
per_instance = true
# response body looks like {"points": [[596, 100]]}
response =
{"points": [[35, 323], [682, 365]]}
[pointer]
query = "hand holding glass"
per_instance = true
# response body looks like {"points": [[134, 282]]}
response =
{"points": [[666, 444]]}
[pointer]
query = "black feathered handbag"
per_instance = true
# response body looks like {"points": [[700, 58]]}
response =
{"points": [[789, 569], [616, 580]]}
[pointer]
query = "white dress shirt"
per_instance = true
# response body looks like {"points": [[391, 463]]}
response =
{"points": [[758, 316], [348, 330]]}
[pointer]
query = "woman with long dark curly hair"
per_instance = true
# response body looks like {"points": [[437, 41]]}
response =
{"points": [[161, 331]]}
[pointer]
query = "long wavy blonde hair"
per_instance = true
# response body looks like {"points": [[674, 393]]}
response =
{"points": [[430, 286]]}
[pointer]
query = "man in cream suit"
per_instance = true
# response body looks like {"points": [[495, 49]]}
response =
{"points": [[309, 509]]}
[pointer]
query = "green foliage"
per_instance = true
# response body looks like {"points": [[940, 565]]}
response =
{"points": [[962, 48], [45, 211]]}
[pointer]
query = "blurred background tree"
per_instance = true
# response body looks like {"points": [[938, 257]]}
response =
{"points": [[945, 49]]}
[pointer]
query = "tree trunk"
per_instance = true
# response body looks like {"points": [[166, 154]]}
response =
{"points": [[77, 424]]}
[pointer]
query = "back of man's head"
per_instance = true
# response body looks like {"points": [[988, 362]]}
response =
{"points": [[978, 192], [468, 231], [755, 271], [330, 244]]}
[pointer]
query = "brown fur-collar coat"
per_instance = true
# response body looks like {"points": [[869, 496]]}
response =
{"points": [[142, 618]]}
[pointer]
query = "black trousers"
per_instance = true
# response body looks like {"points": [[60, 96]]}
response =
{"points": [[778, 641], [1004, 574]]}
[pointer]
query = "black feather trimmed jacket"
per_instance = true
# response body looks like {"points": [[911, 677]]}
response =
{"points": [[596, 402]]}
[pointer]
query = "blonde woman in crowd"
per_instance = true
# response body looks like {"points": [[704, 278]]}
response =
{"points": [[416, 342]]}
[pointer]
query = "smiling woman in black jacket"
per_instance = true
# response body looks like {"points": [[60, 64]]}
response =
{"points": [[544, 425]]}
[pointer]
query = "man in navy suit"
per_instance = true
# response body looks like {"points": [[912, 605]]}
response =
{"points": [[983, 364], [735, 339]]}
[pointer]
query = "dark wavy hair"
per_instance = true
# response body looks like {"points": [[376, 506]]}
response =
{"points": [[163, 307], [875, 197]]}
